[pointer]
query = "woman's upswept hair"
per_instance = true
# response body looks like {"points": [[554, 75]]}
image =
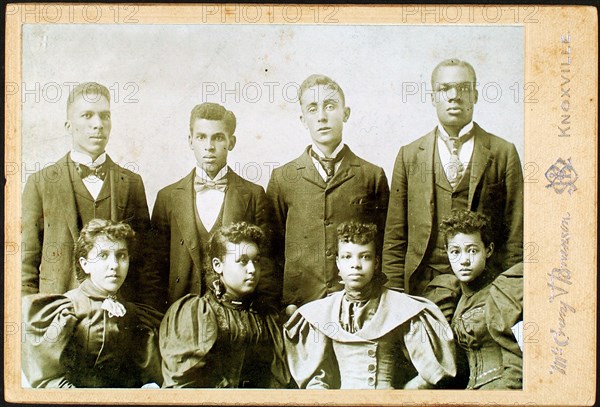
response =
{"points": [[91, 231], [235, 233]]}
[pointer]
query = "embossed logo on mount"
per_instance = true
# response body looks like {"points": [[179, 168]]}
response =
{"points": [[562, 176]]}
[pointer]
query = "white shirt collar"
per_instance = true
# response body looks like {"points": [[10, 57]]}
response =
{"points": [[86, 160], [461, 133], [204, 176], [333, 155]]}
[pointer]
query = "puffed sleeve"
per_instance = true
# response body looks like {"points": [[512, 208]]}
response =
{"points": [[310, 355], [146, 352], [504, 308], [187, 334], [430, 344], [49, 324]]}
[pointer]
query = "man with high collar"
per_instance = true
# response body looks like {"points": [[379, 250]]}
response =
{"points": [[83, 185], [210, 196], [458, 165]]}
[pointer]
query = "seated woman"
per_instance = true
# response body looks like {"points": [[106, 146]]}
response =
{"points": [[223, 339], [490, 305], [366, 336], [90, 336]]}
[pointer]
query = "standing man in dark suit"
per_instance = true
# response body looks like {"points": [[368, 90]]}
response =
{"points": [[83, 185], [326, 185], [458, 165], [210, 196]]}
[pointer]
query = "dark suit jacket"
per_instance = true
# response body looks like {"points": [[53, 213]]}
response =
{"points": [[178, 251], [495, 188], [308, 212], [50, 227]]}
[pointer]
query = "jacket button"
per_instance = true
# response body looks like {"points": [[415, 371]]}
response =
{"points": [[371, 353], [328, 252], [177, 280], [328, 285], [371, 368], [181, 241], [371, 381]]}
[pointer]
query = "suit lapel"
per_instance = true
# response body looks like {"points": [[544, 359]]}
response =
{"points": [[346, 170], [425, 155], [309, 172], [119, 190], [237, 199], [482, 156], [183, 202], [107, 186], [65, 196]]}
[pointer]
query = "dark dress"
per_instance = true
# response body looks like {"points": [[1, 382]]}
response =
{"points": [[221, 343], [482, 325], [71, 341]]}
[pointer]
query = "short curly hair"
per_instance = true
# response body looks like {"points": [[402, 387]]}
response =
{"points": [[467, 222], [235, 233], [319, 79], [452, 62], [91, 231], [357, 232], [213, 111], [89, 91]]}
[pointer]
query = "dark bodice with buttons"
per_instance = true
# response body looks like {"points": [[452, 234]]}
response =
{"points": [[482, 326]]}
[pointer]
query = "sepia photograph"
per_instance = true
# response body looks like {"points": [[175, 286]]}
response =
{"points": [[282, 197]]}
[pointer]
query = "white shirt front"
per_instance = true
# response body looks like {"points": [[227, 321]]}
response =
{"points": [[91, 182], [318, 165], [209, 201], [466, 150]]}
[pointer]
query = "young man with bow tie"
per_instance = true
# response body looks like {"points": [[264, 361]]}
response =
{"points": [[210, 196], [458, 165], [85, 184]]}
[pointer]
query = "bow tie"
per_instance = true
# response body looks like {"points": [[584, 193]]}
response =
{"points": [[114, 307], [85, 171], [201, 184]]}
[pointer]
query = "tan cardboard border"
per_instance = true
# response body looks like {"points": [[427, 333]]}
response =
{"points": [[545, 209]]}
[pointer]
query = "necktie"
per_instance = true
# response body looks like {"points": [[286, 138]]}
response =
{"points": [[328, 163], [98, 172], [202, 184], [455, 168]]}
